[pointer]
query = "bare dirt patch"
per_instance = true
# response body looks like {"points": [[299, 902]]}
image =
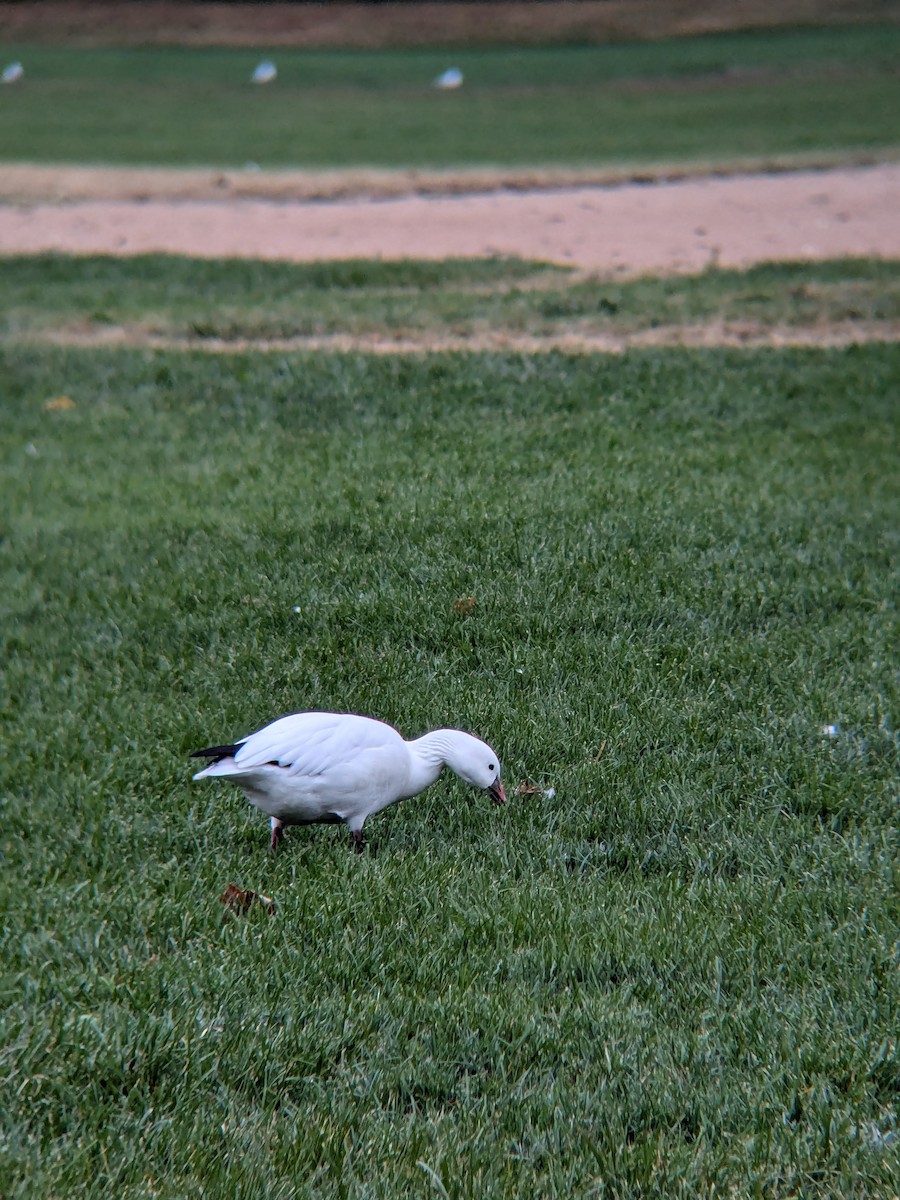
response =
{"points": [[170, 22], [667, 227], [614, 231]]}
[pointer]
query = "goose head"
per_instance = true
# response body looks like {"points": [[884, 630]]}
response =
{"points": [[476, 763]]}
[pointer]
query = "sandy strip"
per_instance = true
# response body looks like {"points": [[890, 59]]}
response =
{"points": [[676, 226], [337, 23]]}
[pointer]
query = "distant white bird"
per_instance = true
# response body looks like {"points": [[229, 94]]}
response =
{"points": [[13, 73], [449, 79], [265, 72], [316, 767]]}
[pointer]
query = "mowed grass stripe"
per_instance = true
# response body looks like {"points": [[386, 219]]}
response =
{"points": [[674, 977], [196, 300], [732, 97]]}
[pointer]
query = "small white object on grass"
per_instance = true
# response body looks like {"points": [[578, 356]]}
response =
{"points": [[265, 72], [13, 73], [320, 768], [829, 731], [449, 80]]}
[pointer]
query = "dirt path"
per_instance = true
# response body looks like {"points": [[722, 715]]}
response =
{"points": [[680, 226], [340, 23]]}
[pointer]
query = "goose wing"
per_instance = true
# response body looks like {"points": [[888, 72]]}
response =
{"points": [[314, 744], [311, 745]]}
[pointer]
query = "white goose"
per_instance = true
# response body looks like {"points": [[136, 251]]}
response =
{"points": [[317, 767]]}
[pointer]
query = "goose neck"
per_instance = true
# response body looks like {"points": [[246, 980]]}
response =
{"points": [[428, 755], [434, 746]]}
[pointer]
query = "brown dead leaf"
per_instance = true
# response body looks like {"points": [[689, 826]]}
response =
{"points": [[239, 901], [464, 606], [528, 789], [59, 404]]}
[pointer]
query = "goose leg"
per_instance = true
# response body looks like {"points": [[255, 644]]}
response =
{"points": [[357, 840], [277, 834]]}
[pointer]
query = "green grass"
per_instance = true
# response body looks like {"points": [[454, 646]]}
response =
{"points": [[184, 298], [727, 96], [675, 978]]}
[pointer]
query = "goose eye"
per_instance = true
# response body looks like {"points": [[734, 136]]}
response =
{"points": [[491, 767]]}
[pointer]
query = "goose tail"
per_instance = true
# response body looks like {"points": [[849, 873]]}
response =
{"points": [[222, 759]]}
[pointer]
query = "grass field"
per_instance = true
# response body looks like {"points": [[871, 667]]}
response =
{"points": [[675, 977], [730, 96], [669, 968], [190, 300]]}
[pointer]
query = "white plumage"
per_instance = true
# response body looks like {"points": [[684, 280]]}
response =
{"points": [[321, 767], [265, 72], [449, 80]]}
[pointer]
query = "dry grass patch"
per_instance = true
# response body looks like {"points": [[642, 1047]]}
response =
{"points": [[164, 23]]}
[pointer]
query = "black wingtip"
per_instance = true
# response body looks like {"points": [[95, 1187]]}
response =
{"points": [[217, 752]]}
